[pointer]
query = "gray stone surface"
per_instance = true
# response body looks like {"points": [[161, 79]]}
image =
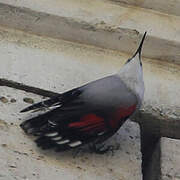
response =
{"points": [[168, 7], [98, 22], [170, 159], [165, 161], [21, 159]]}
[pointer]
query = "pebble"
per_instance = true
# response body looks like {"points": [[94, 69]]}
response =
{"points": [[3, 99], [13, 100], [4, 145], [28, 100], [12, 166]]}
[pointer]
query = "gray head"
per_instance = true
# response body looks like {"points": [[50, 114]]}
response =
{"points": [[132, 73], [137, 54]]}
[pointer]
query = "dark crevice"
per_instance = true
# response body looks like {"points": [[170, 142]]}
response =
{"points": [[150, 148], [20, 86]]}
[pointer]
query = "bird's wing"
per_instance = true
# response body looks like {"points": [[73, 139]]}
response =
{"points": [[55, 101], [94, 111]]}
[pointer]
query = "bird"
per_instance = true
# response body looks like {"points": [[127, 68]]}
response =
{"points": [[89, 114]]}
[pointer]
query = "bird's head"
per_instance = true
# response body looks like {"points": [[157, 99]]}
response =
{"points": [[137, 54]]}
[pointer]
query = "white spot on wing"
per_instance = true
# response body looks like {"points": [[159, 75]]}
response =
{"points": [[51, 134], [57, 138], [74, 144], [101, 133], [51, 123], [53, 107], [63, 142]]}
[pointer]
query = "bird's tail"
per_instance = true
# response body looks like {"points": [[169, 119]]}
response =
{"points": [[54, 101], [48, 135], [36, 125]]}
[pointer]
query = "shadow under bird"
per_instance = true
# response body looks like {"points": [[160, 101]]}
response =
{"points": [[89, 114]]}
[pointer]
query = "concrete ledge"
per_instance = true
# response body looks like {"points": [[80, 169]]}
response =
{"points": [[164, 164], [170, 159], [115, 27], [169, 7], [57, 65], [158, 123]]}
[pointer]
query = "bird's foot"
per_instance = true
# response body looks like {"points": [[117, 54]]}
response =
{"points": [[101, 148], [76, 152]]}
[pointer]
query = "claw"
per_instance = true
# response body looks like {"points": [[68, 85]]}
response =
{"points": [[76, 152], [102, 149], [99, 150]]}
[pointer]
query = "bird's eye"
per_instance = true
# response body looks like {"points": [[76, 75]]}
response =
{"points": [[128, 61]]}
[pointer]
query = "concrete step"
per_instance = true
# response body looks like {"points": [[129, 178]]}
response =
{"points": [[59, 65], [99, 23], [165, 162], [168, 7], [21, 159], [170, 159]]}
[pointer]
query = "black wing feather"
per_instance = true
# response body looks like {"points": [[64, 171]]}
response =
{"points": [[57, 120], [58, 100], [39, 122]]}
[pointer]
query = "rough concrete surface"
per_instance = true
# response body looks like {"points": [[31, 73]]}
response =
{"points": [[96, 11], [165, 161], [97, 22], [170, 159], [169, 7], [21, 159]]}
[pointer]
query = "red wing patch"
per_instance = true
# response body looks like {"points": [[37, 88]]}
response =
{"points": [[89, 123], [120, 114]]}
